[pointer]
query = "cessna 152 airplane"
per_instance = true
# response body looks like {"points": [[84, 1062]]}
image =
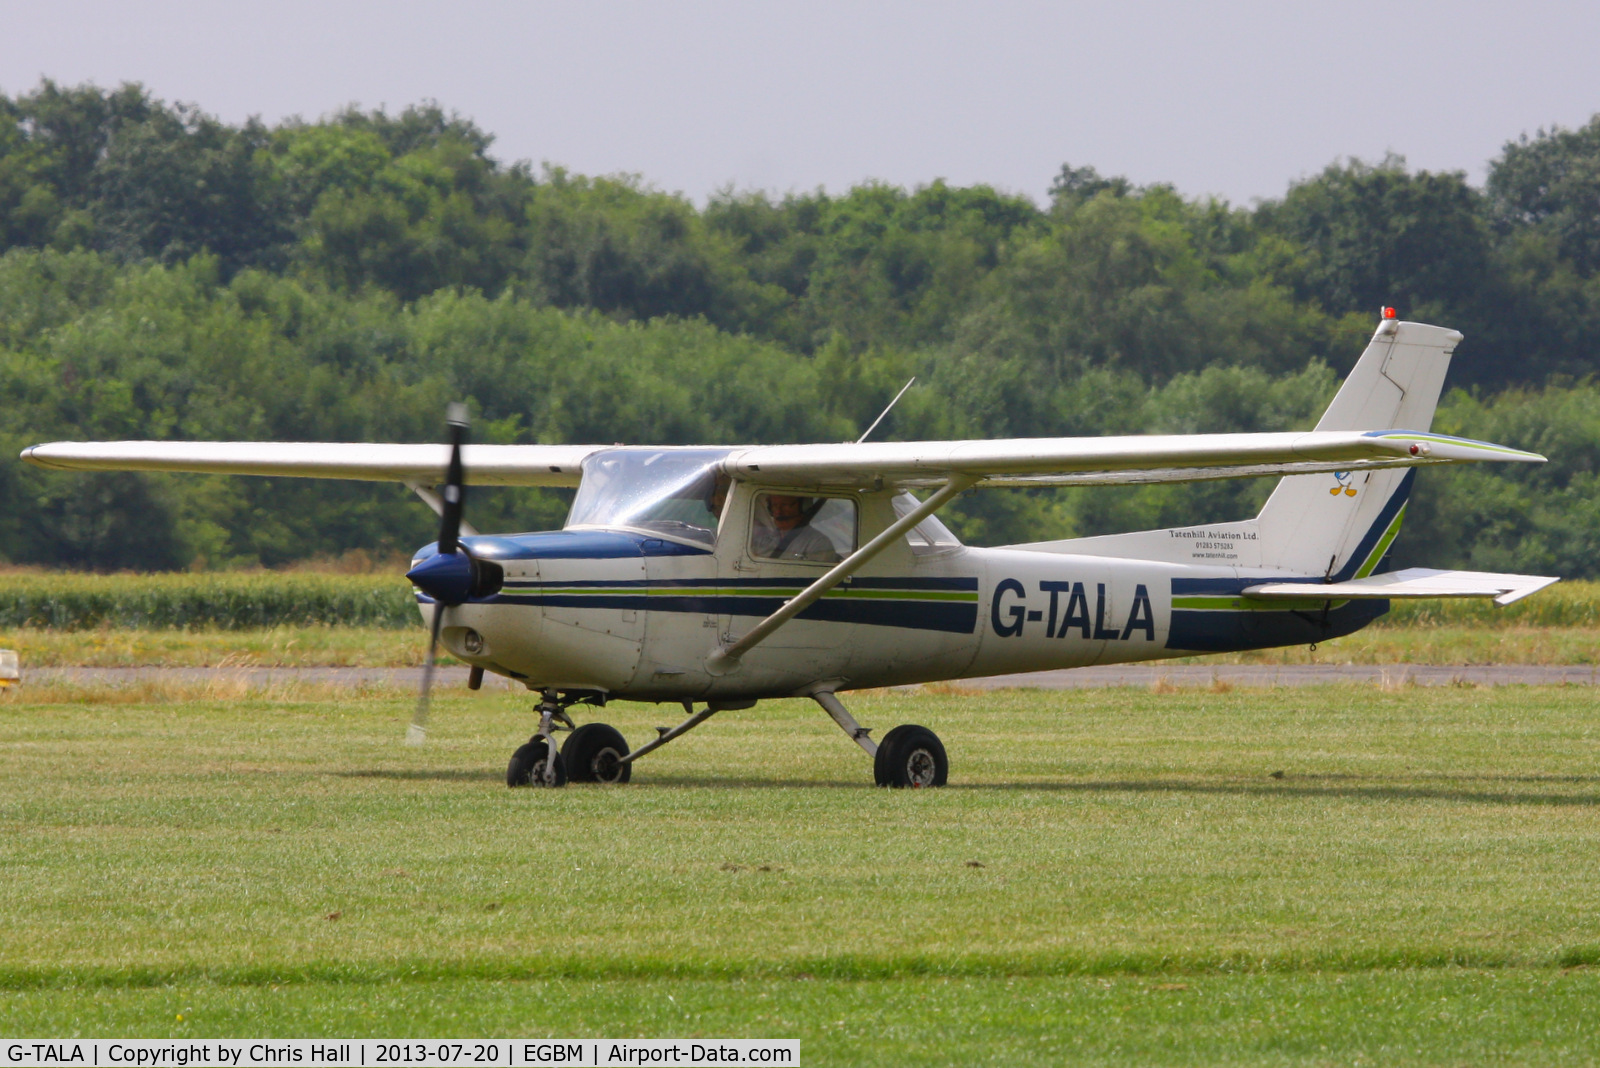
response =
{"points": [[725, 576]]}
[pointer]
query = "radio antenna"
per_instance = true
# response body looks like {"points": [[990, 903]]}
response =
{"points": [[885, 412]]}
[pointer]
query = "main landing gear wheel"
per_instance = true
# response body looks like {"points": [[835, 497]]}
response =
{"points": [[594, 752], [911, 756], [527, 765]]}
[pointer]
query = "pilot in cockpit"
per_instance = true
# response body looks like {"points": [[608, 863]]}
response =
{"points": [[787, 533]]}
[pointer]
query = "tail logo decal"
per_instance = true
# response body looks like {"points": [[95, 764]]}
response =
{"points": [[1370, 552], [1344, 480]]}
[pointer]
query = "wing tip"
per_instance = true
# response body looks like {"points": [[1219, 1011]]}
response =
{"points": [[1534, 584]]}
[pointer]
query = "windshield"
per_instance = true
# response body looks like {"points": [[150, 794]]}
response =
{"points": [[666, 491]]}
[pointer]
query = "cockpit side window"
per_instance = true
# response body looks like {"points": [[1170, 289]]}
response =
{"points": [[819, 530]]}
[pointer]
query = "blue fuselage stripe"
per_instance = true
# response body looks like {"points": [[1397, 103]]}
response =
{"points": [[959, 618]]}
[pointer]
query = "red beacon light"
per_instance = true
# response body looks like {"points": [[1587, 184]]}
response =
{"points": [[1388, 313]]}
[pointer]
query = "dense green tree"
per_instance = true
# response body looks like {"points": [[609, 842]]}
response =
{"points": [[72, 129], [616, 246], [877, 266], [181, 353], [1075, 186], [1120, 282], [1379, 235], [441, 214], [126, 174], [173, 276], [180, 184], [1544, 199], [1551, 183], [1542, 519]]}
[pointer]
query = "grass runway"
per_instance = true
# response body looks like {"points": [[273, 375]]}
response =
{"points": [[1317, 876]]}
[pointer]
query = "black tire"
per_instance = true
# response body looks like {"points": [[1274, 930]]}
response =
{"points": [[593, 754], [911, 756], [527, 764]]}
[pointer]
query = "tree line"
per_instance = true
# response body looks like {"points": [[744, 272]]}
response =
{"points": [[165, 274]]}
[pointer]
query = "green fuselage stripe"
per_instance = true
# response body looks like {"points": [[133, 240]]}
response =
{"points": [[1250, 604]]}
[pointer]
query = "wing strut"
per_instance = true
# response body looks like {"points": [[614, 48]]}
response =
{"points": [[723, 661], [436, 502]]}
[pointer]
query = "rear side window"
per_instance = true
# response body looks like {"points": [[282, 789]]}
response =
{"points": [[928, 536]]}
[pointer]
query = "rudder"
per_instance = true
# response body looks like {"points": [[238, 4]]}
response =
{"points": [[1342, 524]]}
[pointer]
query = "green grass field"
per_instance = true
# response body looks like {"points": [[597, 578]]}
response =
{"points": [[1316, 876]]}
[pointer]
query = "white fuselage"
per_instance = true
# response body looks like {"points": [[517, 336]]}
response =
{"points": [[633, 615]]}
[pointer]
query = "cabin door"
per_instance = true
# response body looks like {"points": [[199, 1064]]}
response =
{"points": [[774, 543]]}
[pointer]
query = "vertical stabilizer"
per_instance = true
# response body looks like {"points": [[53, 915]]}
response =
{"points": [[1341, 524]]}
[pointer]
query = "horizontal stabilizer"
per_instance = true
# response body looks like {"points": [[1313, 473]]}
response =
{"points": [[1412, 582]]}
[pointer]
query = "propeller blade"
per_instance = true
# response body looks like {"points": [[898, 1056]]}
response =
{"points": [[417, 733], [441, 586], [455, 483]]}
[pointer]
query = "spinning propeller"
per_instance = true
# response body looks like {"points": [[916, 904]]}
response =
{"points": [[452, 576]]}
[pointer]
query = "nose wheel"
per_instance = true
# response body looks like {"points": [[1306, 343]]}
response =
{"points": [[594, 752], [537, 763]]}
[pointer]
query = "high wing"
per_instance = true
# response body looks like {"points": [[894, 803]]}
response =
{"points": [[488, 465], [1017, 461], [1109, 460]]}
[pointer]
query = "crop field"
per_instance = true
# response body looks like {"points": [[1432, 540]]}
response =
{"points": [[318, 646], [68, 601], [1310, 876]]}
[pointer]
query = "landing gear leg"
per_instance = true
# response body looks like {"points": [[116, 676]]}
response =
{"points": [[846, 721], [538, 763], [907, 756]]}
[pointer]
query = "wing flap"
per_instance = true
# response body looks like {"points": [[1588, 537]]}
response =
{"points": [[1411, 582], [491, 465]]}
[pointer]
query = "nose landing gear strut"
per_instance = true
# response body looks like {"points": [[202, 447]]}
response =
{"points": [[594, 752], [537, 762]]}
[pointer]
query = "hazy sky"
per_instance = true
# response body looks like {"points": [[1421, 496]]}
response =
{"points": [[1235, 100]]}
